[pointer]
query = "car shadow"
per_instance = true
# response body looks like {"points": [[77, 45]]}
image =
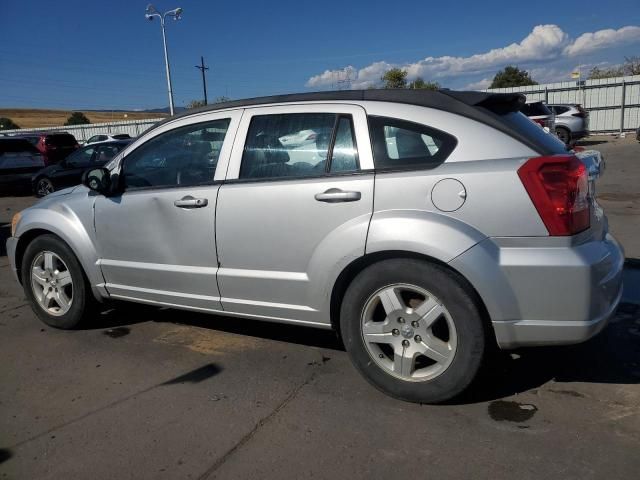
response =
{"points": [[588, 143], [5, 232], [611, 357]]}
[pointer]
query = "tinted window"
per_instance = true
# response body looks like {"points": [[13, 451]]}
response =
{"points": [[61, 140], [402, 144], [287, 145], [521, 124], [121, 136], [183, 156], [16, 146], [535, 109], [104, 153], [558, 110], [81, 158]]}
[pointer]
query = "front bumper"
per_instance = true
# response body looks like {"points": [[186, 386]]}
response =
{"points": [[548, 295], [12, 243]]}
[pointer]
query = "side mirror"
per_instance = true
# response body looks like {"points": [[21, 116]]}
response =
{"points": [[97, 179]]}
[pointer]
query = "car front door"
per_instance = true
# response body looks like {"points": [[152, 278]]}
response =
{"points": [[294, 209], [156, 238], [69, 171]]}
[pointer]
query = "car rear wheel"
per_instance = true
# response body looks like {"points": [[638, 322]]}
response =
{"points": [[54, 283], [413, 330], [44, 187], [564, 135]]}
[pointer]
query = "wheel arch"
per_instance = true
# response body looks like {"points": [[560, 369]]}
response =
{"points": [[350, 272]]}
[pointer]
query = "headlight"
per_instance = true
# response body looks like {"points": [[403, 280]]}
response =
{"points": [[14, 223]]}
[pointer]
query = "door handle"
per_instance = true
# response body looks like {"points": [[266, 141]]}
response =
{"points": [[335, 195], [190, 202]]}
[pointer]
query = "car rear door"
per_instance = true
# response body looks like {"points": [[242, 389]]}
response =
{"points": [[156, 238], [294, 209]]}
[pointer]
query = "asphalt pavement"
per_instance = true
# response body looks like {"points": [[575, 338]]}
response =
{"points": [[159, 393]]}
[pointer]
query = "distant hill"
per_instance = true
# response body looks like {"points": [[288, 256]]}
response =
{"points": [[42, 118]]}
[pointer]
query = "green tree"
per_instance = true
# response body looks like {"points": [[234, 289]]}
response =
{"points": [[512, 76], [395, 78], [419, 83], [221, 99], [77, 118], [631, 66], [610, 72], [8, 124]]}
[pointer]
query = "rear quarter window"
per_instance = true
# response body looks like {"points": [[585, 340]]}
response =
{"points": [[536, 109], [400, 144], [62, 140]]}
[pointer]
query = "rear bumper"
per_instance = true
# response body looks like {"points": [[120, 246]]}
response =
{"points": [[549, 295]]}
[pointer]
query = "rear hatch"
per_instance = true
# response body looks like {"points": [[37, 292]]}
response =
{"points": [[18, 156], [59, 145], [553, 186]]}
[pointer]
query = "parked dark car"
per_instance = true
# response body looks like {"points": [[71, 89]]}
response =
{"points": [[69, 171], [19, 159], [54, 146]]}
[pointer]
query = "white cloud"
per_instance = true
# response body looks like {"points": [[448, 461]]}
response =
{"points": [[544, 43], [479, 85], [590, 42]]}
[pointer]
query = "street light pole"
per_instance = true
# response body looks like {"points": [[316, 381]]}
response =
{"points": [[176, 14]]}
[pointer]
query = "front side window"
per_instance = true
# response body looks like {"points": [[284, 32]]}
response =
{"points": [[81, 158], [184, 156], [401, 144], [298, 144], [105, 153]]}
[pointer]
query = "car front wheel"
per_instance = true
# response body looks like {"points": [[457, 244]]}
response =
{"points": [[54, 283], [413, 330]]}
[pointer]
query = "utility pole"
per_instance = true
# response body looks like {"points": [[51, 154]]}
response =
{"points": [[202, 68]]}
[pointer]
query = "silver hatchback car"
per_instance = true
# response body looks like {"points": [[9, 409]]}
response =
{"points": [[425, 227]]}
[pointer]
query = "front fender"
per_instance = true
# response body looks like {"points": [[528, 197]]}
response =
{"points": [[71, 219], [428, 233]]}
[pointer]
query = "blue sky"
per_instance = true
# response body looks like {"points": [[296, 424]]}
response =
{"points": [[104, 54]]}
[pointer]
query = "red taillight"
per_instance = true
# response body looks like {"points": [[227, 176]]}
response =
{"points": [[539, 121], [558, 187]]}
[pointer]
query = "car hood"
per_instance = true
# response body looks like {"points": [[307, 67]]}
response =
{"points": [[54, 197]]}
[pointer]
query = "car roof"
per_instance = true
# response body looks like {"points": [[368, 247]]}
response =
{"points": [[484, 107]]}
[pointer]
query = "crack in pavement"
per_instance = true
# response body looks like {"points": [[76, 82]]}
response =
{"points": [[261, 423], [14, 308]]}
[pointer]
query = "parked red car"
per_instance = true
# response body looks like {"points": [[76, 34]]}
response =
{"points": [[54, 146]]}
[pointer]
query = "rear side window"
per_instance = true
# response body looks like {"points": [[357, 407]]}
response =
{"points": [[121, 136], [559, 110], [298, 145], [16, 146], [399, 144]]}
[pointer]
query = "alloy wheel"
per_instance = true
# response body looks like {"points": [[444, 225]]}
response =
{"points": [[51, 283], [408, 332]]}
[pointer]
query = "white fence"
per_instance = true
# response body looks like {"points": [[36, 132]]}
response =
{"points": [[613, 103], [84, 132]]}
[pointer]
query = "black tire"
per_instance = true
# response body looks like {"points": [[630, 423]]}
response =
{"points": [[564, 135], [42, 187], [83, 301], [454, 294]]}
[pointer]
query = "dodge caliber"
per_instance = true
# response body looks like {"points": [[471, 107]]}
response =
{"points": [[424, 227]]}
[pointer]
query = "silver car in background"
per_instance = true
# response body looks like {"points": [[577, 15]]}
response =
{"points": [[572, 122], [425, 227]]}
